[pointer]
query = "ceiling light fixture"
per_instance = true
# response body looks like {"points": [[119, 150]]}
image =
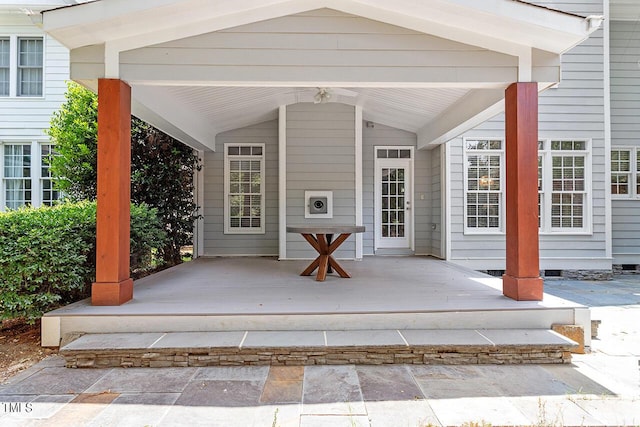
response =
{"points": [[323, 96]]}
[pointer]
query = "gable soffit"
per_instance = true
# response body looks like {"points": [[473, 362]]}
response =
{"points": [[320, 48], [512, 30], [499, 25]]}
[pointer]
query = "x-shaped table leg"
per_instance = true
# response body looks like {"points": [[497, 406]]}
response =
{"points": [[325, 261]]}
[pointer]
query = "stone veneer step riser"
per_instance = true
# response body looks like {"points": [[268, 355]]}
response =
{"points": [[367, 355]]}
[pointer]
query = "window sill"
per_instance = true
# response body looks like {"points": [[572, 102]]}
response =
{"points": [[567, 233], [240, 232], [629, 198], [13, 98], [484, 233]]}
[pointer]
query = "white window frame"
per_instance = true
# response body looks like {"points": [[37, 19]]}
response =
{"points": [[5, 180], [227, 175], [43, 178], [547, 186], [19, 68], [8, 67], [502, 191], [634, 173], [36, 169], [13, 65]]}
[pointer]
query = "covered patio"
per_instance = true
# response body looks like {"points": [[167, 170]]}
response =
{"points": [[332, 98], [196, 70]]}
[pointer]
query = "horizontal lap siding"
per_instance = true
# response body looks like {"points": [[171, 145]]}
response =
{"points": [[574, 110], [321, 45], [625, 131], [27, 118], [216, 242], [381, 135], [320, 156]]}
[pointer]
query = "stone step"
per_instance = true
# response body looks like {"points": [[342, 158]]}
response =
{"points": [[227, 348]]}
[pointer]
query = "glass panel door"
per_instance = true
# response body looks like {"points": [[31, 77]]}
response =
{"points": [[393, 203]]}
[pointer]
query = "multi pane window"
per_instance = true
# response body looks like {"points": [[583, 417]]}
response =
{"points": [[30, 60], [5, 65], [17, 175], [244, 188], [483, 184], [25, 177], [393, 153], [21, 66], [563, 185], [625, 168], [49, 195]]}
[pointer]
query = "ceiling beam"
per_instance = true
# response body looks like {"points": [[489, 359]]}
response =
{"points": [[473, 109], [173, 117]]}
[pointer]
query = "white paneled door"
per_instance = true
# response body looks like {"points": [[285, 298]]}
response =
{"points": [[393, 198]]}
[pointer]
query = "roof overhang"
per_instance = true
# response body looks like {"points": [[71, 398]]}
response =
{"points": [[506, 24], [534, 36]]}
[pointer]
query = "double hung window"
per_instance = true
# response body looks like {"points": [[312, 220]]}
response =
{"points": [[21, 66], [244, 188], [25, 177], [484, 185], [564, 171], [17, 175], [625, 169]]}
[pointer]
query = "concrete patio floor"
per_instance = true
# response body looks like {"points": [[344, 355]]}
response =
{"points": [[267, 286]]}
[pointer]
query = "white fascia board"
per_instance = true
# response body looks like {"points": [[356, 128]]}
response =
{"points": [[473, 109], [499, 25], [133, 24], [199, 135]]}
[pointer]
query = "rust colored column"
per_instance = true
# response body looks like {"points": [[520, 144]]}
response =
{"points": [[113, 285], [522, 280]]}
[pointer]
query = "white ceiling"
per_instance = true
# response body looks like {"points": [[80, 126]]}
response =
{"points": [[234, 107]]}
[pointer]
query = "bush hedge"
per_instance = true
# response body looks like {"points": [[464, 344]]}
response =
{"points": [[47, 255]]}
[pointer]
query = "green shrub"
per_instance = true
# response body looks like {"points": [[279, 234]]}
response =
{"points": [[47, 255]]}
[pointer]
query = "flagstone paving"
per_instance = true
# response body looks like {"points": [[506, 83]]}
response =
{"points": [[597, 389]]}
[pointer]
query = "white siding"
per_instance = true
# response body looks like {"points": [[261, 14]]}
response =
{"points": [[574, 110], [216, 243], [625, 131], [320, 156], [27, 118]]}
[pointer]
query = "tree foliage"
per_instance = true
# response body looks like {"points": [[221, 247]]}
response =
{"points": [[74, 130], [162, 171], [162, 168]]}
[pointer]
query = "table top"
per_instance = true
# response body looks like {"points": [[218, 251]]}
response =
{"points": [[325, 229]]}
